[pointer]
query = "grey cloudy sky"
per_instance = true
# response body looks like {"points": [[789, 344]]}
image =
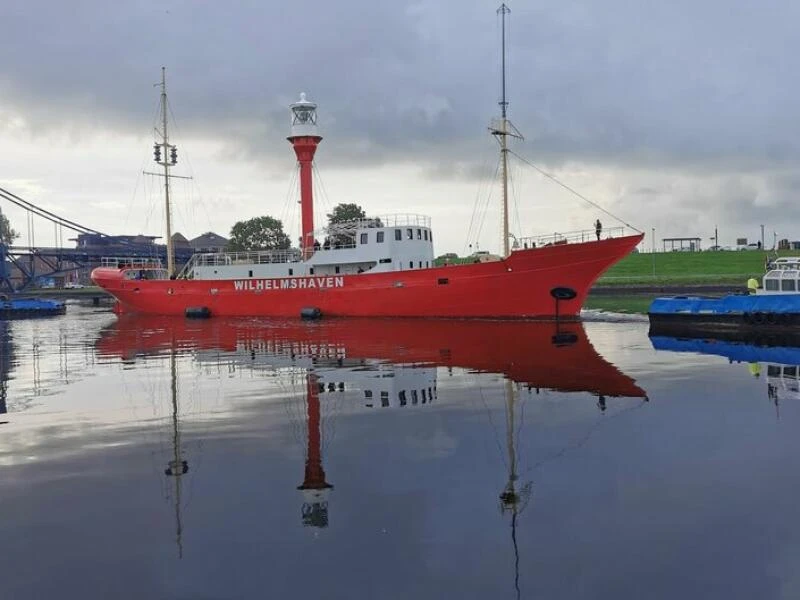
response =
{"points": [[676, 115]]}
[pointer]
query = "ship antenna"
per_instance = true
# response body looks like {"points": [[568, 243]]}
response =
{"points": [[503, 128]]}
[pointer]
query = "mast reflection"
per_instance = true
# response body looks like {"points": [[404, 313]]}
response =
{"points": [[314, 487]]}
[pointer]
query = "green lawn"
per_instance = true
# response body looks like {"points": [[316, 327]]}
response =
{"points": [[688, 267]]}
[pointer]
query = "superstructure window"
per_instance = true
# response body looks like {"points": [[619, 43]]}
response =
{"points": [[409, 234], [788, 285], [398, 235], [426, 235], [771, 285], [411, 264], [384, 399], [364, 238], [419, 234], [380, 237], [385, 260]]}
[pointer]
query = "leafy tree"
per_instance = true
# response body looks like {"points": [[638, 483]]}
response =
{"points": [[346, 212], [7, 235], [258, 233]]}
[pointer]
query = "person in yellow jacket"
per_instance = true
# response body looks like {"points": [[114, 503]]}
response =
{"points": [[755, 369], [752, 285]]}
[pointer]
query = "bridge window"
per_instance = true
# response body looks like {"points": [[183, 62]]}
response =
{"points": [[414, 399], [398, 235], [410, 234], [426, 235], [384, 399], [771, 285], [385, 260], [380, 237], [790, 371], [402, 397], [364, 238], [419, 234], [788, 285]]}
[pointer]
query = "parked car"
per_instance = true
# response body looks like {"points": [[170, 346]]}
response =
{"points": [[73, 285]]}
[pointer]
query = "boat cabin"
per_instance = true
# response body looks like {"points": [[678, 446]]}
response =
{"points": [[374, 245], [782, 276], [137, 268]]}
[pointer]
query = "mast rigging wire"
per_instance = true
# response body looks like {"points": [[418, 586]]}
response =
{"points": [[574, 192]]}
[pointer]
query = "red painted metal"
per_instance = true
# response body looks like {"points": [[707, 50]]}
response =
{"points": [[315, 473], [304, 148], [517, 287], [556, 356]]}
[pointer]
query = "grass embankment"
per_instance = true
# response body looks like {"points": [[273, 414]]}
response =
{"points": [[619, 304], [689, 268]]}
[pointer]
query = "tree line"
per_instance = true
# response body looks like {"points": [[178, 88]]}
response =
{"points": [[258, 233], [266, 233]]}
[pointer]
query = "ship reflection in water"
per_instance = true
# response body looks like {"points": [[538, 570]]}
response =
{"points": [[392, 362], [283, 445], [776, 360]]}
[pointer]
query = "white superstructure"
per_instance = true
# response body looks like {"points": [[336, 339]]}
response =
{"points": [[374, 245]]}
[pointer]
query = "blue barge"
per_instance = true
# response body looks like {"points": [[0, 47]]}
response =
{"points": [[773, 307], [30, 307]]}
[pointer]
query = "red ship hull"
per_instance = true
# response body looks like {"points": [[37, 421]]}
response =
{"points": [[518, 287]]}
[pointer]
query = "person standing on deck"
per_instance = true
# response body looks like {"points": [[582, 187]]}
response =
{"points": [[598, 228]]}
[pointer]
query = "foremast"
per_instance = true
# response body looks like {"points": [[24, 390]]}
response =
{"points": [[166, 155], [502, 129]]}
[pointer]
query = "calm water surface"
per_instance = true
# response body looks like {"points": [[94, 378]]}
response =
{"points": [[159, 458]]}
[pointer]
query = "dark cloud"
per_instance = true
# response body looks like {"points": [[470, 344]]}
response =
{"points": [[642, 83]]}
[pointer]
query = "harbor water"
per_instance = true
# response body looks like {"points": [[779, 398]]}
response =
{"points": [[215, 459]]}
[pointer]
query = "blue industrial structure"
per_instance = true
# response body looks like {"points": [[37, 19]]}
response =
{"points": [[22, 266]]}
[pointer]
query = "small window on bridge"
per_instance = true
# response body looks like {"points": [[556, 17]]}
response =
{"points": [[771, 285], [379, 237], [788, 285], [398, 235]]}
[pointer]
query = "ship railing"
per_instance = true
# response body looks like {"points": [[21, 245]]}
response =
{"points": [[134, 262], [567, 237], [396, 220], [261, 257]]}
